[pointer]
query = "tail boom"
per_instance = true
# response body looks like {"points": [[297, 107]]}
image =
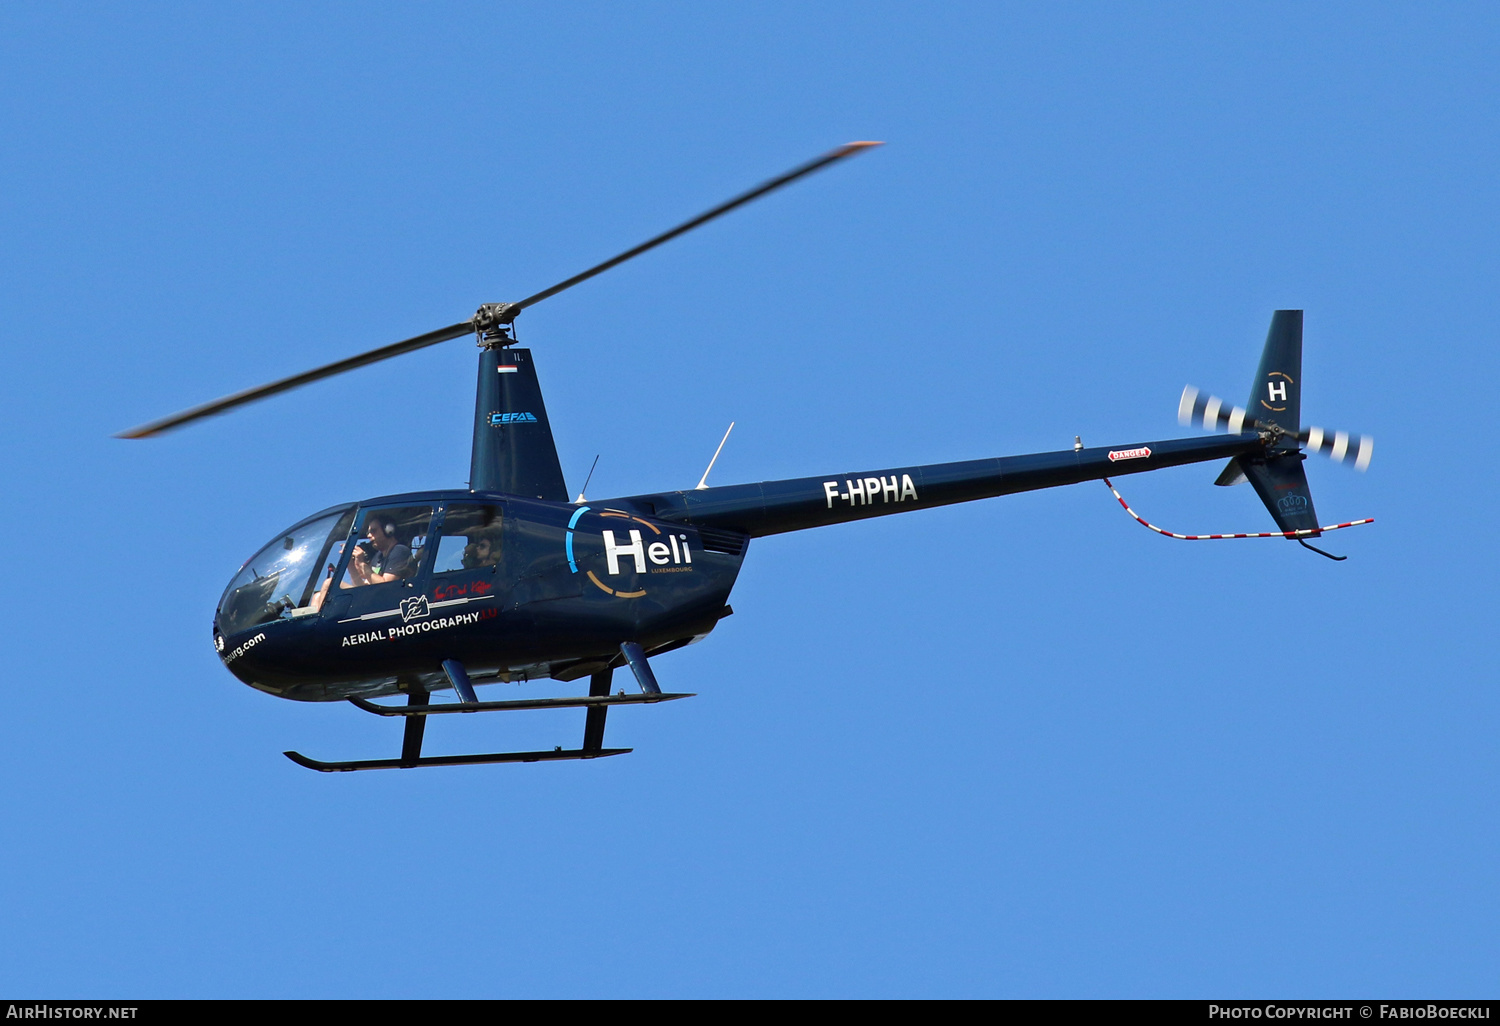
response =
{"points": [[776, 507]]}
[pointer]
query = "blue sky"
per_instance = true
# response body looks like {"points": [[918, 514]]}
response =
{"points": [[1014, 748]]}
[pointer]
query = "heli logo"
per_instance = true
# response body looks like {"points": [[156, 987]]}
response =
{"points": [[663, 553], [1129, 454], [1276, 391], [1292, 504], [497, 418], [672, 552], [414, 608]]}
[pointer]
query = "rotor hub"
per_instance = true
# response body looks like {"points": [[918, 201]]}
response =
{"points": [[494, 315]]}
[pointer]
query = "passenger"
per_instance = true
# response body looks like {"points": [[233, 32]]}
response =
{"points": [[483, 550], [381, 559]]}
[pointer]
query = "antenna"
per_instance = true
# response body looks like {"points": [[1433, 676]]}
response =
{"points": [[579, 501], [703, 481]]}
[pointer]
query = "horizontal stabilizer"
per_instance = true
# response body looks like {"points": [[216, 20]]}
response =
{"points": [[1232, 474]]}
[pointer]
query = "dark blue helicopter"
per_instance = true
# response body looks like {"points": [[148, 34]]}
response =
{"points": [[509, 581]]}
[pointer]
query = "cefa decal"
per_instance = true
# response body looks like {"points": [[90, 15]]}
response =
{"points": [[1129, 454], [498, 419]]}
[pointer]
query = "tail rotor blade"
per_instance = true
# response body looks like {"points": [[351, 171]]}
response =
{"points": [[1211, 413], [1340, 446]]}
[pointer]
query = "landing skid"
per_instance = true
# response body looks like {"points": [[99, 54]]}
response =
{"points": [[418, 708], [454, 760]]}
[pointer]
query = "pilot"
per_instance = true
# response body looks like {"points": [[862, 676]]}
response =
{"points": [[321, 595], [390, 561]]}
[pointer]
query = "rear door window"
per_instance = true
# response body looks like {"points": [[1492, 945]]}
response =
{"points": [[471, 539]]}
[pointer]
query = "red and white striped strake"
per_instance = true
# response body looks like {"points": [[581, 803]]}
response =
{"points": [[1307, 533]]}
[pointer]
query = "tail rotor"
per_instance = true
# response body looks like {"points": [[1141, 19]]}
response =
{"points": [[1213, 414]]}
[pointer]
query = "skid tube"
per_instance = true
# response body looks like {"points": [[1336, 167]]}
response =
{"points": [[454, 760]]}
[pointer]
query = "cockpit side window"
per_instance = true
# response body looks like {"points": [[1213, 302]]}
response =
{"points": [[281, 580], [470, 539], [389, 547]]}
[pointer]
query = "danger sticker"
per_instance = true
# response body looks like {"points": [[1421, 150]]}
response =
{"points": [[1129, 454]]}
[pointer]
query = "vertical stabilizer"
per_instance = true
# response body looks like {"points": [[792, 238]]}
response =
{"points": [[513, 447], [1276, 399], [1276, 396]]}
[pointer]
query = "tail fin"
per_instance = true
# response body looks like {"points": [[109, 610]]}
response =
{"points": [[1276, 400], [1276, 396]]}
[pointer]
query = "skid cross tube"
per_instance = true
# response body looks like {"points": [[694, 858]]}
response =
{"points": [[593, 722], [581, 701], [636, 657], [411, 738]]}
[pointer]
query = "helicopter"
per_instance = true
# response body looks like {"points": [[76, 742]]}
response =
{"points": [[510, 581]]}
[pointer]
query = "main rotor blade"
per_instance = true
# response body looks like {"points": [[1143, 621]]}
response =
{"points": [[504, 313], [832, 156], [250, 395]]}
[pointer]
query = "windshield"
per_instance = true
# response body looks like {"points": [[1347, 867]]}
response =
{"points": [[279, 580]]}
